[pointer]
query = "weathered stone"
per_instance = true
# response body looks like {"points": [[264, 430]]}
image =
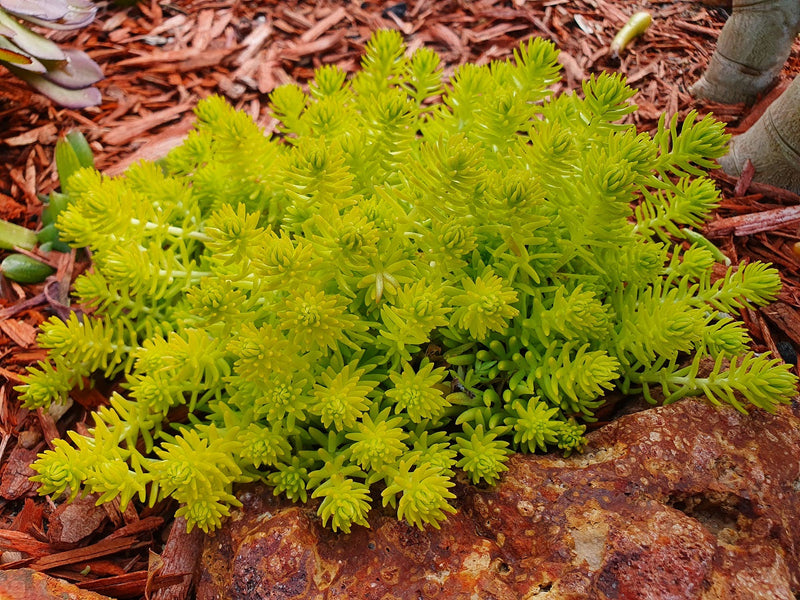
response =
{"points": [[686, 501], [73, 521], [27, 584]]}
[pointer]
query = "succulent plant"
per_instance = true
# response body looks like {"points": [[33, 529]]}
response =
{"points": [[412, 277], [63, 75]]}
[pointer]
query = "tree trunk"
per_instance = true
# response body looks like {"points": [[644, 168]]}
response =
{"points": [[751, 50], [772, 144]]}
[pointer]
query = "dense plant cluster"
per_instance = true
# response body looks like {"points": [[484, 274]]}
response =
{"points": [[410, 278]]}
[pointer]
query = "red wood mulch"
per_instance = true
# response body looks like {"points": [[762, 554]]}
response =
{"points": [[161, 57]]}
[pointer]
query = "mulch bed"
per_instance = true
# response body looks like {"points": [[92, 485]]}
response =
{"points": [[161, 57]]}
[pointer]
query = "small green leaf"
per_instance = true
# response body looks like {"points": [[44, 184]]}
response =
{"points": [[636, 26], [81, 148], [67, 161], [24, 269], [55, 204], [54, 247], [48, 233]]}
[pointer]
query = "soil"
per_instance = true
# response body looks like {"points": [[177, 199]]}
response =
{"points": [[161, 57]]}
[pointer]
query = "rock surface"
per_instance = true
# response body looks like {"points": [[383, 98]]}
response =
{"points": [[678, 502], [27, 584]]}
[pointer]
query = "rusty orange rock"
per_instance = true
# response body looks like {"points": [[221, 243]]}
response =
{"points": [[27, 584], [686, 501]]}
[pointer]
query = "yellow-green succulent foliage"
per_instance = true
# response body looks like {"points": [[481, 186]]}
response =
{"points": [[412, 277]]}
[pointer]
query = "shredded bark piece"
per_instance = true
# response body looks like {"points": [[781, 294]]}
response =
{"points": [[751, 223], [69, 557], [180, 558]]}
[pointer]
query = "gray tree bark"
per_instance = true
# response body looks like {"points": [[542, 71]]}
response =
{"points": [[751, 50], [772, 144]]}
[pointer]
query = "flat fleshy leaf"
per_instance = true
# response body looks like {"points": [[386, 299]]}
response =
{"points": [[63, 26], [24, 61], [55, 14], [68, 98], [78, 71], [32, 43], [80, 15], [43, 9], [15, 58]]}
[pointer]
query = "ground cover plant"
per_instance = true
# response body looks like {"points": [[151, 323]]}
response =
{"points": [[412, 278]]}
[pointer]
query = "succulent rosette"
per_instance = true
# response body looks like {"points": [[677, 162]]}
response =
{"points": [[66, 76]]}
